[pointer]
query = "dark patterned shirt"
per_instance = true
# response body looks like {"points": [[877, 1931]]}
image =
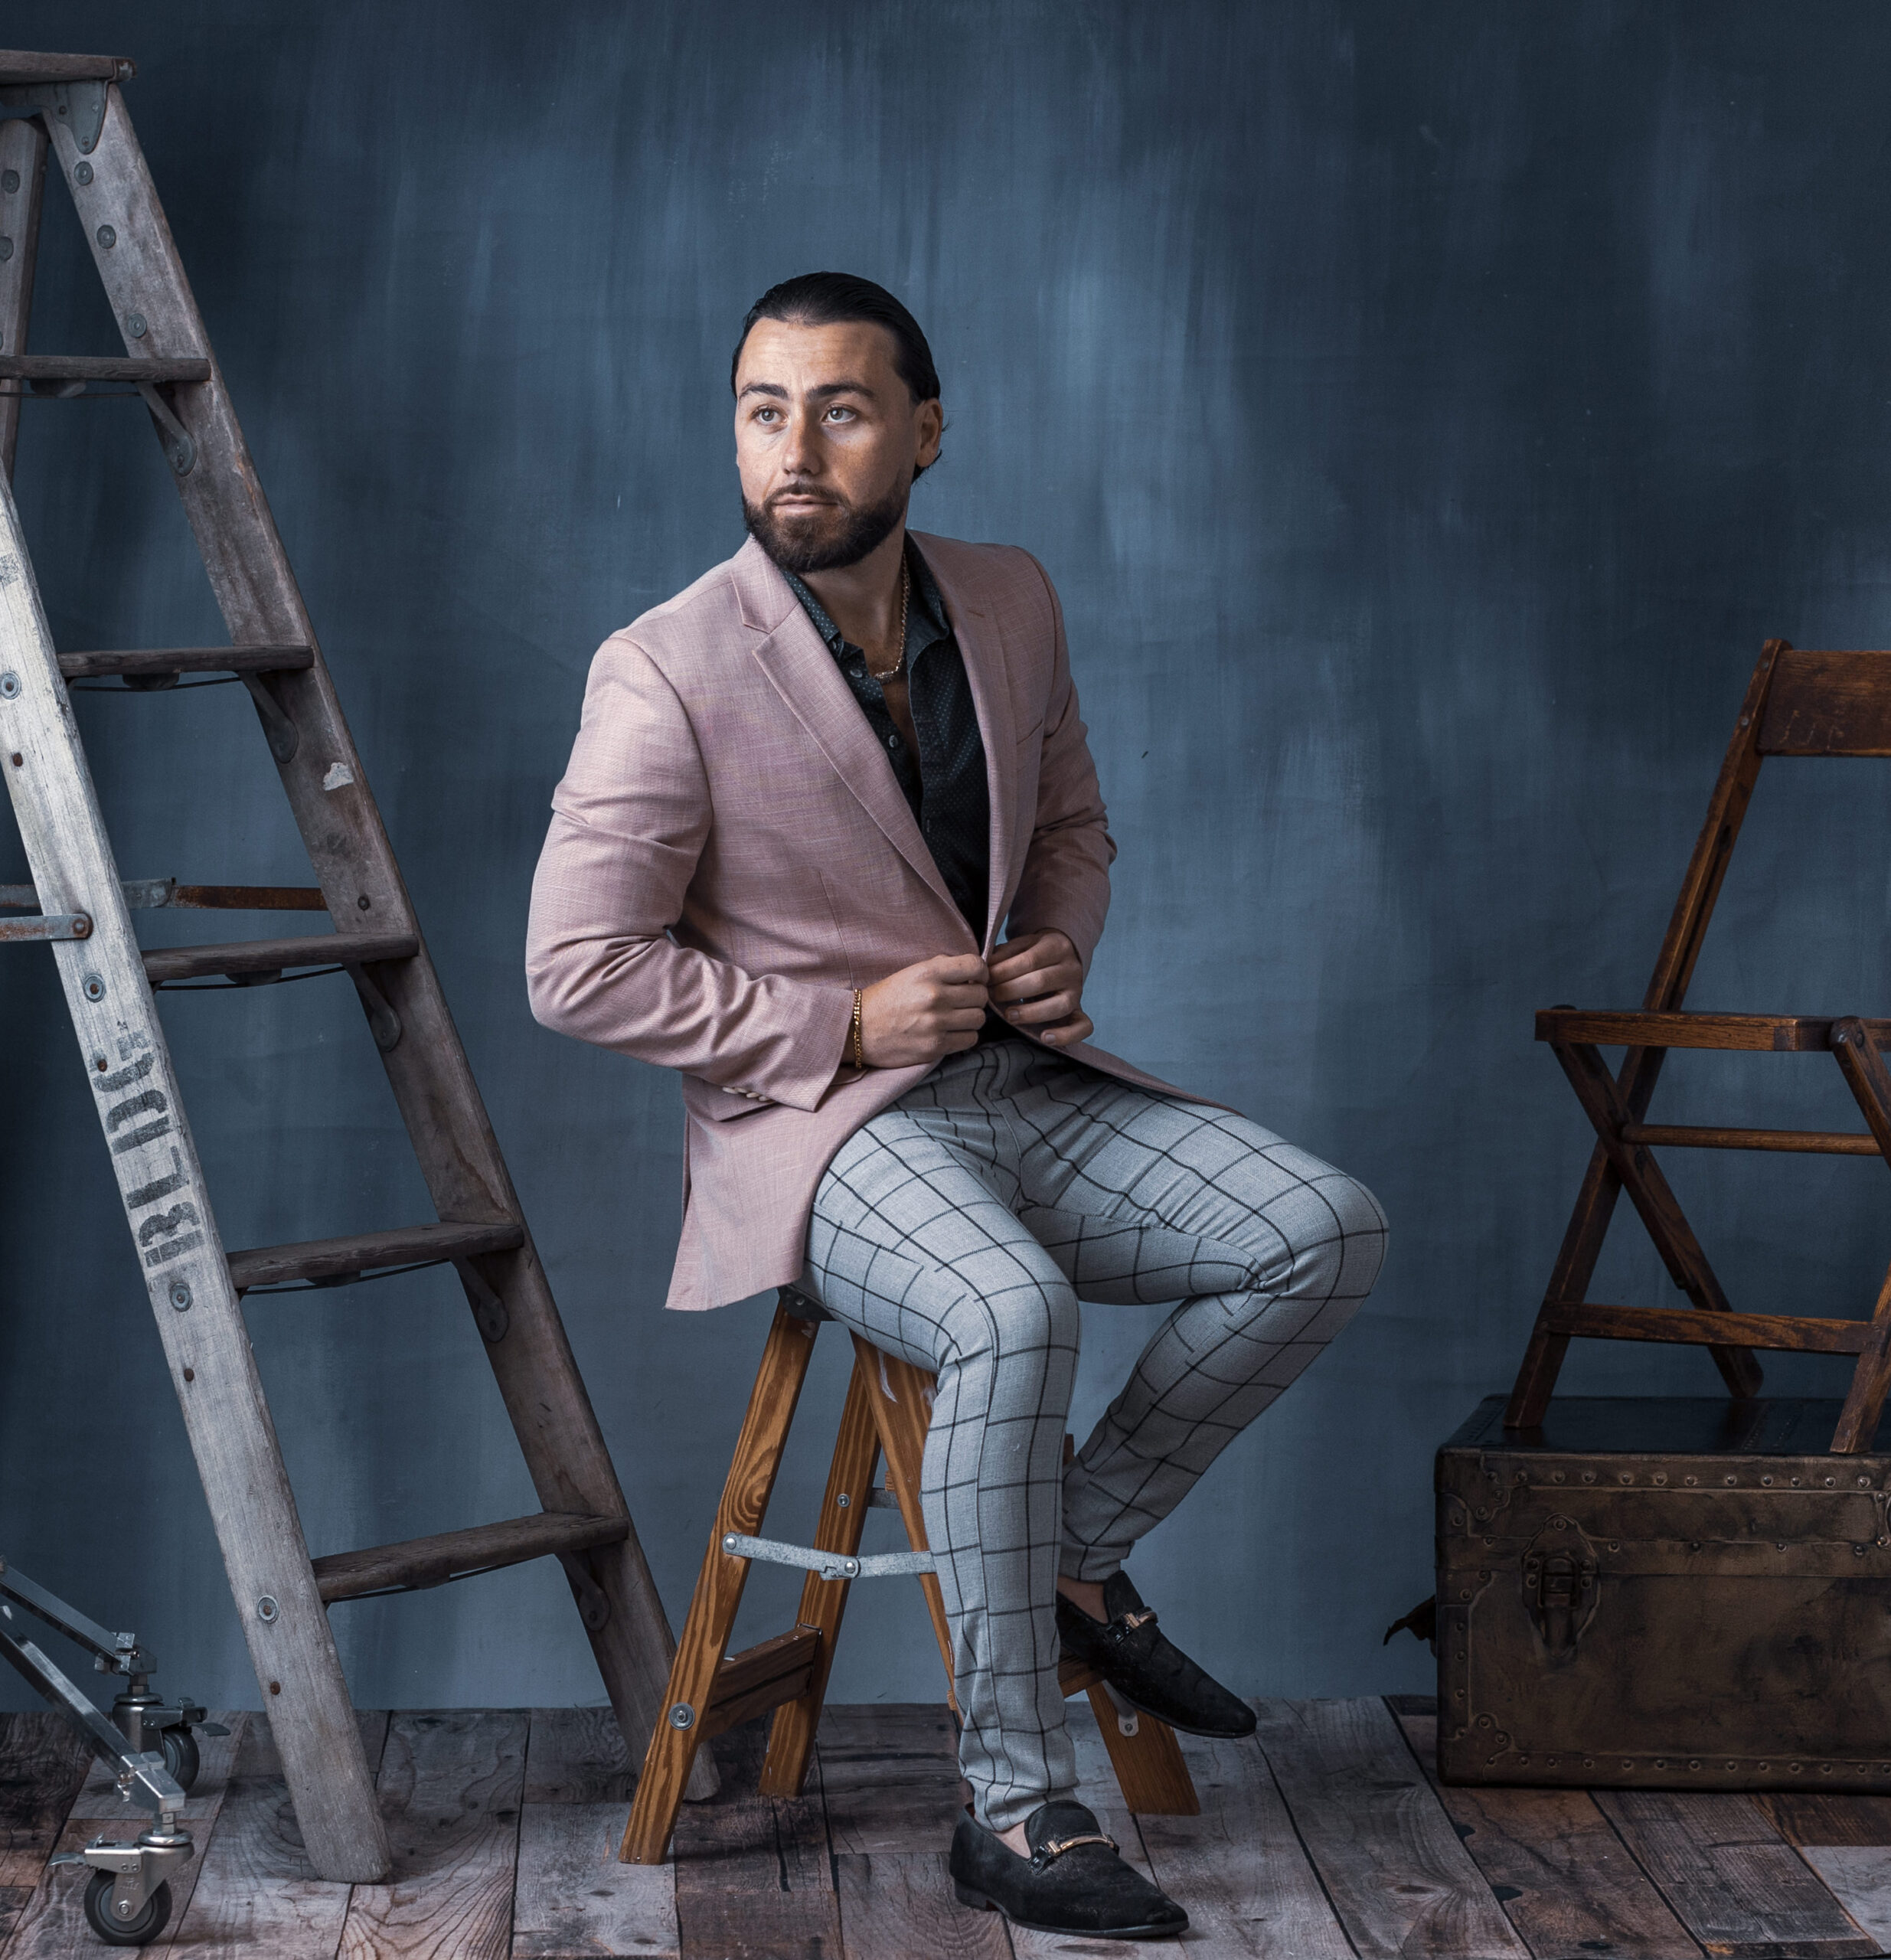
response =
{"points": [[944, 784]]}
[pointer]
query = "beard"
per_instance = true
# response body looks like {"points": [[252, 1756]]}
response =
{"points": [[838, 535]]}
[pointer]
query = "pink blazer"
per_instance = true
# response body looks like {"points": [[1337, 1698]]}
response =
{"points": [[730, 856]]}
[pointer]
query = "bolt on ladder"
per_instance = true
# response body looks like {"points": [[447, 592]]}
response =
{"points": [[71, 107]]}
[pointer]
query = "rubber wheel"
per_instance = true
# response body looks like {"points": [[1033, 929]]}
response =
{"points": [[180, 1757], [119, 1931]]}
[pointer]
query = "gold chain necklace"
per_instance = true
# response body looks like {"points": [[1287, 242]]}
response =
{"points": [[893, 672]]}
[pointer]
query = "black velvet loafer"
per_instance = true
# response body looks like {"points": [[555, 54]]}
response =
{"points": [[1147, 1669], [1074, 1882]]}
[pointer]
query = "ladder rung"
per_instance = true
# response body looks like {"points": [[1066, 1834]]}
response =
{"points": [[761, 1677], [332, 1259], [20, 68], [85, 368], [165, 963], [420, 1562], [248, 659], [157, 894], [243, 898]]}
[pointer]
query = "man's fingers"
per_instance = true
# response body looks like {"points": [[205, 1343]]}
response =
{"points": [[957, 968], [1034, 1014], [1078, 1027], [1058, 976], [1008, 963]]}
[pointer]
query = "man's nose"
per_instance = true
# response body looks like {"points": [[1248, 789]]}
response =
{"points": [[801, 454]]}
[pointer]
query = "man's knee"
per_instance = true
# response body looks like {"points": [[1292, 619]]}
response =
{"points": [[1359, 1250], [1017, 1326], [1324, 1240]]}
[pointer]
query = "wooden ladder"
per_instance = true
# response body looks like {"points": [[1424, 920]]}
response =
{"points": [[72, 105]]}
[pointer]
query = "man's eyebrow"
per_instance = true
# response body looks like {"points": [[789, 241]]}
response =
{"points": [[777, 392]]}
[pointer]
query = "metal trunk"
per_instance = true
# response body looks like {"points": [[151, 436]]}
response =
{"points": [[1668, 1594]]}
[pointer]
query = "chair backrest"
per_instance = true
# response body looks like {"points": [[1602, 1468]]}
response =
{"points": [[1827, 704]]}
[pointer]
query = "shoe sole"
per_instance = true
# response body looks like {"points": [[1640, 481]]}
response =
{"points": [[979, 1902], [1182, 1728]]}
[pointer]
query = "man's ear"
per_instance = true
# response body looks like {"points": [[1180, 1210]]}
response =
{"points": [[932, 418]]}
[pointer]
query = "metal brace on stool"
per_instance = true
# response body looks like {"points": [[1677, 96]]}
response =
{"points": [[830, 1565], [806, 1558]]}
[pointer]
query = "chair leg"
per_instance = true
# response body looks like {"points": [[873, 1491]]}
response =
{"points": [[1871, 1382], [901, 1397], [1870, 1081], [718, 1595], [824, 1600]]}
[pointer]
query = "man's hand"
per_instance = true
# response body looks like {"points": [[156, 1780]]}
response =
{"points": [[922, 1013], [1037, 983]]}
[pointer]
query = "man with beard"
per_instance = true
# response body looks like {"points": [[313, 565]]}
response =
{"points": [[808, 795]]}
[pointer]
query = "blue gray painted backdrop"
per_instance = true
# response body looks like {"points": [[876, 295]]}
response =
{"points": [[1424, 412]]}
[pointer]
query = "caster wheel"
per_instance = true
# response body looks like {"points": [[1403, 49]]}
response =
{"points": [[115, 1931], [180, 1757]]}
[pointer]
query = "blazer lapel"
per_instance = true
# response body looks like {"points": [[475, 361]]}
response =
{"points": [[982, 647], [801, 671]]}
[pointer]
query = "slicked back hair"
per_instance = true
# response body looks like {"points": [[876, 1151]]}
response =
{"points": [[827, 299]]}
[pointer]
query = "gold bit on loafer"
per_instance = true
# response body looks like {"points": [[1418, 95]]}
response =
{"points": [[1055, 1847]]}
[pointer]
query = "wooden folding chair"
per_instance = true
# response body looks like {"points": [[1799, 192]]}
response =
{"points": [[886, 1411], [1797, 704]]}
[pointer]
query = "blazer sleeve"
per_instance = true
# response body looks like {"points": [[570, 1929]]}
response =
{"points": [[1065, 884], [629, 823]]}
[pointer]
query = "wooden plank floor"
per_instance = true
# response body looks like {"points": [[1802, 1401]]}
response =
{"points": [[1325, 1837]]}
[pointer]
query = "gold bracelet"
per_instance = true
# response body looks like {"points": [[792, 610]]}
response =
{"points": [[860, 1053]]}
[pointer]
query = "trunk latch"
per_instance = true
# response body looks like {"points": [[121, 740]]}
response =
{"points": [[1559, 1591]]}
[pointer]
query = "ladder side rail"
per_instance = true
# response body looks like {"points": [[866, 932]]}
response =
{"points": [[440, 1103], [126, 1059], [23, 158], [347, 845]]}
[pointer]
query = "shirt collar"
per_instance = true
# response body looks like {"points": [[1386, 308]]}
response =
{"points": [[925, 611]]}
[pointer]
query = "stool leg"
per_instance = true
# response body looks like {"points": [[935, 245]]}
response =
{"points": [[901, 1399], [718, 1595], [1150, 1771], [823, 1601]]}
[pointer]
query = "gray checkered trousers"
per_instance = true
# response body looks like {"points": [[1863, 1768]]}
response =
{"points": [[959, 1228]]}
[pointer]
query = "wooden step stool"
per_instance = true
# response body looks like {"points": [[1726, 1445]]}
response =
{"points": [[887, 1410]]}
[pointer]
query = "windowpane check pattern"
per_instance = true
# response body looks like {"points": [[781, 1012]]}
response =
{"points": [[959, 1229]]}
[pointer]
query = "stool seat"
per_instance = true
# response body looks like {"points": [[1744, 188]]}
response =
{"points": [[886, 1413]]}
